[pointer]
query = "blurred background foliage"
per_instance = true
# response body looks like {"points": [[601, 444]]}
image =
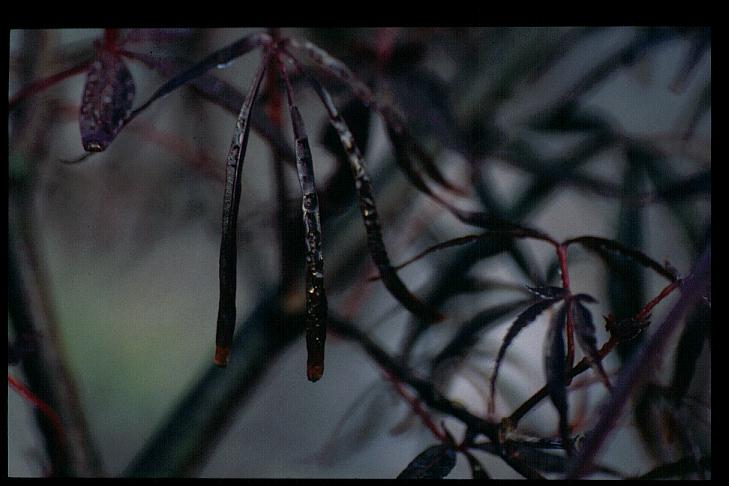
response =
{"points": [[576, 131]]}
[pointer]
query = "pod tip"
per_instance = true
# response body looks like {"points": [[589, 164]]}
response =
{"points": [[221, 356]]}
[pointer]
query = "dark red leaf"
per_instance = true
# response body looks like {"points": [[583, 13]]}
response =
{"points": [[107, 100], [605, 248], [555, 367], [435, 462], [522, 320], [585, 330]]}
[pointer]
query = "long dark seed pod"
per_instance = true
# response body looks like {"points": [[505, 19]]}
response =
{"points": [[396, 128], [231, 201], [370, 217], [316, 299]]}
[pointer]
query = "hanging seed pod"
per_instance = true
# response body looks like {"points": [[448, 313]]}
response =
{"points": [[107, 100], [231, 202], [316, 299], [368, 209]]}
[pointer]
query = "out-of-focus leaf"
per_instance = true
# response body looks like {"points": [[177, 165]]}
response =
{"points": [[686, 187], [156, 35], [477, 469], [700, 44], [678, 468], [451, 279], [522, 256], [644, 40], [626, 287], [405, 162], [222, 94], [221, 57], [699, 107], [548, 180], [369, 415], [435, 462], [107, 100], [555, 367], [663, 428], [689, 348], [468, 333], [607, 248], [425, 100], [523, 320], [405, 56], [552, 463], [568, 117], [663, 176], [493, 222], [461, 240]]}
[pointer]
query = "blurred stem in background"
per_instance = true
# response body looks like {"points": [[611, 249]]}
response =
{"points": [[70, 449]]}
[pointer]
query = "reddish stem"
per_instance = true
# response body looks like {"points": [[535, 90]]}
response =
{"points": [[562, 256], [570, 327], [111, 36], [42, 406], [45, 83], [417, 408], [650, 305], [385, 38], [570, 330], [197, 159]]}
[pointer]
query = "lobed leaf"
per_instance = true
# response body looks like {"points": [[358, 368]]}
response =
{"points": [[107, 100], [435, 462], [555, 367], [522, 321]]}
